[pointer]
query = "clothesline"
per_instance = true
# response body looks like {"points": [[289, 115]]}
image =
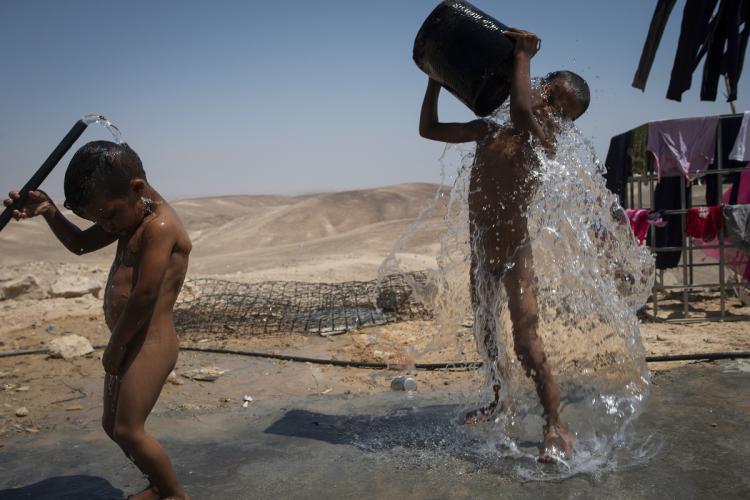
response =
{"points": [[713, 171]]}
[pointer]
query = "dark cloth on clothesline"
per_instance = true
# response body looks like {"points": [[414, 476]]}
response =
{"points": [[725, 45], [619, 167], [655, 31], [721, 36], [694, 31], [667, 197], [730, 127]]}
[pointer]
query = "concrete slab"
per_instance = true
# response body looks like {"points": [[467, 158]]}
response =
{"points": [[393, 447]]}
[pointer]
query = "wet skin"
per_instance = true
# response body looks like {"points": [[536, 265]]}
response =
{"points": [[144, 281], [500, 190]]}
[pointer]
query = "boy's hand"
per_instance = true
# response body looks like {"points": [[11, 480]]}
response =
{"points": [[527, 43], [38, 203], [113, 359]]}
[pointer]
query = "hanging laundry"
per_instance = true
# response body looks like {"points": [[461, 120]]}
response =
{"points": [[725, 48], [730, 128], [638, 218], [655, 31], [734, 258], [741, 149], [684, 146], [704, 223], [667, 197], [721, 36], [619, 167], [737, 221], [694, 34], [637, 150]]}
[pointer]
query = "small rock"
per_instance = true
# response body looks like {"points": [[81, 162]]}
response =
{"points": [[70, 346], [27, 287], [205, 374], [22, 412], [31, 430], [74, 408], [49, 328], [23, 388], [174, 379], [659, 337], [74, 286], [714, 425]]}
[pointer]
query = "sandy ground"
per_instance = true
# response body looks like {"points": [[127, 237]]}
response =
{"points": [[59, 393], [328, 237]]}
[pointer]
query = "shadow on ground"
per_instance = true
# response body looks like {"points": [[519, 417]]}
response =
{"points": [[65, 488]]}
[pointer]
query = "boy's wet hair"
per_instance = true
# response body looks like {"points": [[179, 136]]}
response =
{"points": [[100, 168], [576, 83]]}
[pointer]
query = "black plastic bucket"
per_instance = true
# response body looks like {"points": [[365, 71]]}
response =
{"points": [[464, 50]]}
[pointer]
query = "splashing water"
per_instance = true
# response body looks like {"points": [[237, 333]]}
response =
{"points": [[104, 122], [561, 237]]}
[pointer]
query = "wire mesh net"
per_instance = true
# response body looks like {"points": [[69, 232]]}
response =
{"points": [[209, 305]]}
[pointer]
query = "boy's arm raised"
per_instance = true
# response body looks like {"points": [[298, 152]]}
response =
{"points": [[71, 236], [430, 126], [157, 243], [521, 110]]}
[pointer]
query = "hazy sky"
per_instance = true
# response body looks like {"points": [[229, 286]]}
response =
{"points": [[289, 96]]}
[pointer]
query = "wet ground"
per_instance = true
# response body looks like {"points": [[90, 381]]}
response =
{"points": [[392, 446]]}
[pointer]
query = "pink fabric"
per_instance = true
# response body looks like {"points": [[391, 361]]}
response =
{"points": [[737, 261], [638, 218], [704, 222], [683, 146]]}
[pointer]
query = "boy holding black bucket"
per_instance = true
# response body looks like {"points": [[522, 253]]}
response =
{"points": [[500, 189], [106, 184]]}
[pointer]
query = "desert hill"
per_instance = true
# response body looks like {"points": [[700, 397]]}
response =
{"points": [[328, 236]]}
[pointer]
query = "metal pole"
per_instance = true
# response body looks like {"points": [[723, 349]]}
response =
{"points": [[652, 228], [720, 164], [683, 219]]}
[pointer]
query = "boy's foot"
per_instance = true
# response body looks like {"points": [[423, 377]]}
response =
{"points": [[150, 493], [558, 443]]}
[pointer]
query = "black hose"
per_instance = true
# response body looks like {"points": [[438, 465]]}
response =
{"points": [[26, 352], [466, 365], [709, 356], [49, 164]]}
